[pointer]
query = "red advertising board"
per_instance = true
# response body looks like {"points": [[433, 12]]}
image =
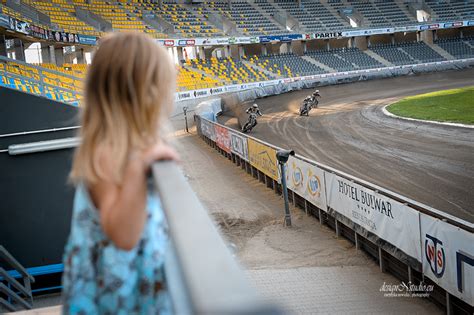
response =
{"points": [[223, 138]]}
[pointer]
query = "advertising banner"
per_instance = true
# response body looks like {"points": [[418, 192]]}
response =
{"points": [[448, 257], [223, 138], [181, 96], [239, 145], [281, 38], [19, 26], [453, 24], [243, 40], [4, 21], [64, 37], [306, 180], [187, 42], [207, 129], [217, 90], [38, 32], [201, 93], [378, 214], [263, 158], [87, 40], [327, 35]]}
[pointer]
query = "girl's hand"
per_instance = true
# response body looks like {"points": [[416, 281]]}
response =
{"points": [[158, 152]]}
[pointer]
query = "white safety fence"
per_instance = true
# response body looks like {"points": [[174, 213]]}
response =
{"points": [[429, 241]]}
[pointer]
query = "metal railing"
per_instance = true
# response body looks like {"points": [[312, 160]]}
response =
{"points": [[202, 275], [18, 295]]}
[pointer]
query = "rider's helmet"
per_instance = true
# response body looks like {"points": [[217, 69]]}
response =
{"points": [[316, 92], [255, 105]]}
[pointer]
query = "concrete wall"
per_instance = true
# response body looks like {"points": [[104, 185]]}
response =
{"points": [[338, 43], [316, 44], [409, 37], [446, 33], [380, 39]]}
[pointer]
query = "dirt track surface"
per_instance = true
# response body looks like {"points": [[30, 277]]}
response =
{"points": [[428, 163]]}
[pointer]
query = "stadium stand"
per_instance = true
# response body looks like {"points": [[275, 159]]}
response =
{"points": [[331, 59], [213, 72], [118, 14], [57, 83], [393, 54], [190, 79], [451, 10], [228, 70], [358, 58], [407, 53], [381, 12], [421, 52], [62, 13], [267, 7], [186, 22], [457, 48], [287, 65], [34, 87], [251, 18], [313, 16], [248, 19], [17, 15], [329, 21]]}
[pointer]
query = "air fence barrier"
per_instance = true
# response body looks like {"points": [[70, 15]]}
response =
{"points": [[414, 242]]}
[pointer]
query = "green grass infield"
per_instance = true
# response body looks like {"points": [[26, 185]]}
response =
{"points": [[455, 105]]}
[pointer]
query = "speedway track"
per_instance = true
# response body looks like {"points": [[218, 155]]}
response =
{"points": [[428, 163]]}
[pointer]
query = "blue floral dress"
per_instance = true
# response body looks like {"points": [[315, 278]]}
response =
{"points": [[100, 278]]}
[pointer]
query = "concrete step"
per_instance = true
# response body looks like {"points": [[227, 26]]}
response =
{"points": [[408, 55], [467, 43], [260, 69], [342, 58], [203, 18], [378, 58], [403, 7], [441, 51], [268, 16], [319, 64], [334, 12]]}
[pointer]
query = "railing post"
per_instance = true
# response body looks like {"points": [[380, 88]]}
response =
{"points": [[357, 241], [381, 263], [449, 305]]}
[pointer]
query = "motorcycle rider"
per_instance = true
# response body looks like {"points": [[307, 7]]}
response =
{"points": [[310, 99], [253, 112]]}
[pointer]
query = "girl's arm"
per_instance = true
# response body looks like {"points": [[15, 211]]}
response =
{"points": [[122, 207]]}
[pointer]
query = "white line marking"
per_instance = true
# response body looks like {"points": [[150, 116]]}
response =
{"points": [[387, 113]]}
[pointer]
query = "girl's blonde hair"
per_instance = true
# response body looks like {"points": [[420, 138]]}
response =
{"points": [[129, 93]]}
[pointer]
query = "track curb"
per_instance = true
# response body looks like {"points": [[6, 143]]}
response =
{"points": [[439, 123]]}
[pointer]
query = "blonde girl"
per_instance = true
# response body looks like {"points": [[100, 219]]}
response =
{"points": [[114, 255]]}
